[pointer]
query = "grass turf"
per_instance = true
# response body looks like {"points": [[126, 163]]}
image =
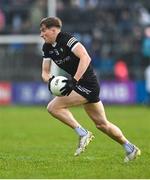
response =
{"points": [[35, 145]]}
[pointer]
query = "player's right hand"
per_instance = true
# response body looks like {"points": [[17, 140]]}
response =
{"points": [[49, 83]]}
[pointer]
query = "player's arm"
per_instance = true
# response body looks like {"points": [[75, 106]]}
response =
{"points": [[46, 66], [80, 51]]}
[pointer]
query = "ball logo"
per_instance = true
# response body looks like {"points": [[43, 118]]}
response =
{"points": [[56, 82]]}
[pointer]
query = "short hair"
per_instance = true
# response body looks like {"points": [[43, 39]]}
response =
{"points": [[51, 22]]}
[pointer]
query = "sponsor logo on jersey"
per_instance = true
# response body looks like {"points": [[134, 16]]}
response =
{"points": [[61, 61]]}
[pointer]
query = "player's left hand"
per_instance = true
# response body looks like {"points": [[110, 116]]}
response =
{"points": [[70, 85]]}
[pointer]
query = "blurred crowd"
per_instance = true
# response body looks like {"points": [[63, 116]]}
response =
{"points": [[21, 16], [115, 32]]}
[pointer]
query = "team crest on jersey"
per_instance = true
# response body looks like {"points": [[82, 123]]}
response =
{"points": [[61, 49]]}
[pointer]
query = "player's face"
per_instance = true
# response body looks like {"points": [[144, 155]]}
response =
{"points": [[48, 34]]}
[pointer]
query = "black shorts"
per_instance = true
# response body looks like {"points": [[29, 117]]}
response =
{"points": [[89, 89]]}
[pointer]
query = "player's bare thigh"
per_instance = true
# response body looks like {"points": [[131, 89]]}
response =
{"points": [[73, 99], [96, 112]]}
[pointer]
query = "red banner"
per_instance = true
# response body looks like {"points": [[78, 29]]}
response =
{"points": [[5, 93]]}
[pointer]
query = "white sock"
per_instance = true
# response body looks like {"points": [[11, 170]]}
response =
{"points": [[129, 147], [81, 131]]}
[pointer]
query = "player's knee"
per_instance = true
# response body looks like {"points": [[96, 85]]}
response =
{"points": [[49, 108], [52, 109]]}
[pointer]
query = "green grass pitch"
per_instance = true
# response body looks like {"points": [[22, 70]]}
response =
{"points": [[35, 145]]}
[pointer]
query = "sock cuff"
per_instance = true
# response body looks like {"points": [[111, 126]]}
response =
{"points": [[81, 131]]}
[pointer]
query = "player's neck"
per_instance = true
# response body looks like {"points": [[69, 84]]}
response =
{"points": [[56, 36]]}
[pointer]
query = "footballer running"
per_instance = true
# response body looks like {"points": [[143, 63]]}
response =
{"points": [[82, 87]]}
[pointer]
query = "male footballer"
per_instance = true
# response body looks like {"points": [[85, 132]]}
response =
{"points": [[82, 88]]}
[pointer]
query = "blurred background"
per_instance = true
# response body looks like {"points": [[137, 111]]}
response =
{"points": [[116, 34]]}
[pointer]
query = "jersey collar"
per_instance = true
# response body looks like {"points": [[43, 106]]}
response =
{"points": [[54, 44]]}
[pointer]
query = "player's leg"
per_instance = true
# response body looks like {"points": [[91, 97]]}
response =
{"points": [[97, 114], [58, 108]]}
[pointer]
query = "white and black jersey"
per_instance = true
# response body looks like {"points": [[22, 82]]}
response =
{"points": [[61, 52]]}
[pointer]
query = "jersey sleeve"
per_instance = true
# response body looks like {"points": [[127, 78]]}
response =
{"points": [[45, 53], [70, 41]]}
